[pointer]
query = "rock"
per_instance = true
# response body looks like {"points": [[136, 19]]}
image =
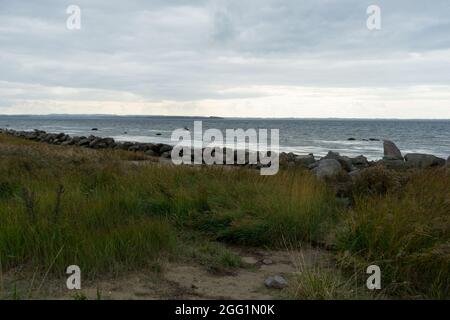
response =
{"points": [[420, 160], [291, 156], [267, 261], [391, 152], [151, 153], [360, 162], [327, 168], [33, 135], [125, 145], [148, 146], [49, 138], [166, 154], [286, 158], [351, 139], [275, 282], [374, 139], [158, 134], [142, 146], [164, 148], [64, 138], [74, 140], [94, 129], [249, 260], [283, 158], [84, 142], [305, 161], [393, 163], [345, 162], [313, 165], [135, 147], [67, 142], [448, 161], [101, 143], [118, 145], [355, 174], [60, 135]]}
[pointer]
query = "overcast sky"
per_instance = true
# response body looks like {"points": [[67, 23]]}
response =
{"points": [[258, 58]]}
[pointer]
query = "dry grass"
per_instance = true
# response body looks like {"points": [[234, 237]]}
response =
{"points": [[67, 205], [406, 232]]}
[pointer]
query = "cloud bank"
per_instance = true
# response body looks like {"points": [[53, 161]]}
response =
{"points": [[267, 58]]}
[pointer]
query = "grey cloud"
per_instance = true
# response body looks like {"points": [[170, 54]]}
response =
{"points": [[188, 50]]}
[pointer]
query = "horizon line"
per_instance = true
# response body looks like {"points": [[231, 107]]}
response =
{"points": [[212, 117]]}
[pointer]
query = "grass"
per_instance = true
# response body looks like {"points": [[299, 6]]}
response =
{"points": [[406, 232], [316, 283], [64, 205], [97, 209], [215, 257]]}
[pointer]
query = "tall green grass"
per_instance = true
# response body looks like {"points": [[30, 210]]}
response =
{"points": [[66, 205], [319, 283], [406, 232], [63, 205]]}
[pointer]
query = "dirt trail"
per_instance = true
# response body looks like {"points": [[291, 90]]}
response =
{"points": [[193, 281]]}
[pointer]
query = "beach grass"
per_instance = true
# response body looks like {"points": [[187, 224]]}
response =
{"points": [[406, 232], [61, 206], [318, 283], [108, 212]]}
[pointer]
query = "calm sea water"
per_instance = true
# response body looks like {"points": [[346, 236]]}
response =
{"points": [[301, 136]]}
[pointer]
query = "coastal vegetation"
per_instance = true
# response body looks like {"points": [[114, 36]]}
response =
{"points": [[114, 211]]}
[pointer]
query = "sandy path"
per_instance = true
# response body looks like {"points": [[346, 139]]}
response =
{"points": [[193, 281]]}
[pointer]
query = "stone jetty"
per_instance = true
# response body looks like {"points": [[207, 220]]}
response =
{"points": [[330, 165]]}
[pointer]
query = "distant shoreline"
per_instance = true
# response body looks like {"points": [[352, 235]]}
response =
{"points": [[74, 116]]}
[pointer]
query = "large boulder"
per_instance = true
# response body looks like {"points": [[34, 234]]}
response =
{"points": [[305, 161], [147, 146], [420, 160], [391, 152], [393, 163], [327, 168], [345, 162], [49, 138], [60, 135], [61, 138], [136, 147], [83, 142], [67, 142], [166, 154], [393, 158], [101, 143], [286, 158], [124, 145], [164, 148], [41, 136], [360, 162], [151, 153], [74, 140]]}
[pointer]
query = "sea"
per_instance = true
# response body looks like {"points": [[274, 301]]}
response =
{"points": [[349, 137]]}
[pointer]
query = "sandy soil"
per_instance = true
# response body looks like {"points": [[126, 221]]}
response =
{"points": [[193, 281]]}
